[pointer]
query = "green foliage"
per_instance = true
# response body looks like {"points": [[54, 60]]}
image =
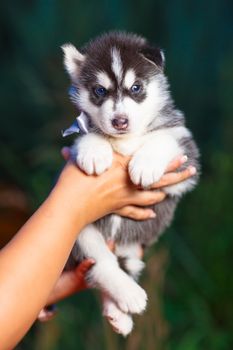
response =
{"points": [[193, 308], [199, 279]]}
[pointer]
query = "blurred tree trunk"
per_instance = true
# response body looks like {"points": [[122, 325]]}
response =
{"points": [[14, 211]]}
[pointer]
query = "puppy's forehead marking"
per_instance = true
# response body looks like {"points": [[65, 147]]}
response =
{"points": [[104, 80], [129, 79], [116, 65]]}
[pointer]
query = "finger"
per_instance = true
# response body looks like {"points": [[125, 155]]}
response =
{"points": [[144, 198], [65, 151], [111, 245], [46, 314], [84, 266], [123, 160], [174, 178], [136, 213], [176, 163], [140, 252]]}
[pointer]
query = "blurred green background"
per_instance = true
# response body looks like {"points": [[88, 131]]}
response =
{"points": [[189, 273]]}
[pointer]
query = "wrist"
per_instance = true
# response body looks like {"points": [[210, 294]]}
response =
{"points": [[71, 195], [83, 197], [89, 197]]}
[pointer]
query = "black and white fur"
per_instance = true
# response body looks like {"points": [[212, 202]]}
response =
{"points": [[144, 124]]}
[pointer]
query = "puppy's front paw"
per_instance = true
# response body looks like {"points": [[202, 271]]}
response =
{"points": [[94, 160], [145, 170]]}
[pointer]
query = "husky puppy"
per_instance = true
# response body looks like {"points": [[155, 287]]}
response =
{"points": [[120, 85]]}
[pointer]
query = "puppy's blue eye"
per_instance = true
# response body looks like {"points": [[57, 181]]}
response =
{"points": [[136, 88], [100, 91]]}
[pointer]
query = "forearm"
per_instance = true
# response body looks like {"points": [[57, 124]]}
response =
{"points": [[65, 286], [32, 262]]}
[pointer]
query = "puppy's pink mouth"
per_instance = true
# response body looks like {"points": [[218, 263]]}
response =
{"points": [[122, 132], [115, 133], [119, 133]]}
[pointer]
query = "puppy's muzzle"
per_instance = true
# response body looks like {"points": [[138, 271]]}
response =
{"points": [[120, 123]]}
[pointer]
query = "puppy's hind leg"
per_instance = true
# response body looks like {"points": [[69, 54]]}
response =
{"points": [[107, 275], [129, 258]]}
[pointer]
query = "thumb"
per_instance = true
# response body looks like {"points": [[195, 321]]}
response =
{"points": [[84, 266], [65, 152]]}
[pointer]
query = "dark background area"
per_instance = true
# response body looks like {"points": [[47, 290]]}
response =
{"points": [[189, 273]]}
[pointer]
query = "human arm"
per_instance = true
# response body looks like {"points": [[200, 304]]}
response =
{"points": [[32, 262]]}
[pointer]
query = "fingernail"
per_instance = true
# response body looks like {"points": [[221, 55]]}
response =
{"points": [[184, 159], [91, 261], [65, 149], [152, 215], [192, 170], [65, 152]]}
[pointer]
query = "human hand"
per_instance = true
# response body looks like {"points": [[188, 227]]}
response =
{"points": [[171, 177], [70, 282]]}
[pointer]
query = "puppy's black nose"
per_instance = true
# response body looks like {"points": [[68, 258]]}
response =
{"points": [[120, 123]]}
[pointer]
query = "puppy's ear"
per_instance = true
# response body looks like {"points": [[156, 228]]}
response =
{"points": [[73, 60], [154, 55]]}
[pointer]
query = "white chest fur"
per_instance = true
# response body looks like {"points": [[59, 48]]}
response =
{"points": [[128, 145]]}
